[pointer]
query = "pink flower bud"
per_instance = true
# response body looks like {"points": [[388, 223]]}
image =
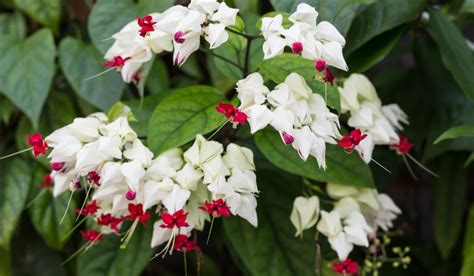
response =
{"points": [[57, 166], [130, 195], [288, 139], [320, 65], [179, 37], [297, 48]]}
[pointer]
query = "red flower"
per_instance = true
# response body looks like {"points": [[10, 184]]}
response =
{"points": [[320, 65], [232, 112], [288, 138], [47, 182], [179, 37], [297, 48], [345, 267], [109, 220], [136, 212], [89, 209], [328, 76], [404, 146], [183, 244], [146, 23], [117, 62], [178, 219], [37, 143], [57, 166], [348, 142], [93, 177], [217, 208], [92, 235]]}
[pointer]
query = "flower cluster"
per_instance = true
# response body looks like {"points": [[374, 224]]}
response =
{"points": [[123, 182], [178, 30], [320, 42], [379, 124], [356, 215], [299, 115]]}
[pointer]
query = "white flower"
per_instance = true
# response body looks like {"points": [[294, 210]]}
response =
{"points": [[62, 181], [176, 199], [388, 212], [161, 235], [190, 29], [202, 151], [273, 46], [216, 35], [121, 128], [305, 213], [272, 26], [133, 172], [138, 152], [189, 177], [251, 91], [238, 157], [85, 129], [346, 206], [259, 116], [204, 6], [243, 205], [304, 14], [339, 191], [214, 169], [341, 245], [225, 15], [110, 146], [330, 223], [395, 115], [243, 181]]}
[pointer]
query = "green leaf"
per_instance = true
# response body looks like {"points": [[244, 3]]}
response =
{"points": [[80, 61], [234, 50], [14, 186], [5, 262], [467, 7], [143, 111], [46, 212], [278, 68], [469, 160], [271, 248], [342, 168], [45, 12], [456, 55], [340, 13], [158, 80], [449, 198], [13, 24], [107, 259], [290, 5], [182, 115], [468, 250], [110, 16], [455, 132], [375, 50], [26, 72], [379, 17]]}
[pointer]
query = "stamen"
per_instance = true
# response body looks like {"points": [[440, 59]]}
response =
{"points": [[422, 166], [217, 130], [16, 153], [210, 230], [380, 165], [409, 167], [129, 235], [85, 200], [75, 227], [100, 74], [34, 199], [67, 208]]}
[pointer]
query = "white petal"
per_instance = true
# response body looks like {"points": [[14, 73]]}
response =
{"points": [[273, 46], [305, 213], [139, 152], [306, 14], [325, 31], [133, 172], [330, 223], [216, 35], [243, 181], [238, 157], [332, 54], [259, 117], [176, 199], [341, 245], [160, 235], [225, 15]]}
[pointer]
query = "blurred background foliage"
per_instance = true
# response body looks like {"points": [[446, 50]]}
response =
{"points": [[417, 53]]}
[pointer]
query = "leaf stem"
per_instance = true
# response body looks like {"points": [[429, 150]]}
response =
{"points": [[245, 71], [224, 59], [246, 36]]}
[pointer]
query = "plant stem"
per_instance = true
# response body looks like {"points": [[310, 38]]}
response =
{"points": [[317, 269], [251, 37], [245, 71], [185, 264], [224, 59]]}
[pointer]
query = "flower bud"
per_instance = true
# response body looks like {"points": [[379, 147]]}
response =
{"points": [[57, 166], [130, 195], [179, 37], [305, 213], [320, 65], [288, 138], [297, 48]]}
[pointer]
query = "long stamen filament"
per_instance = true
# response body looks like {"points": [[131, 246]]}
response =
{"points": [[380, 165], [185, 264], [129, 235], [15, 153], [422, 166], [217, 130], [67, 208], [84, 203], [34, 199], [99, 74], [210, 230], [409, 167], [75, 227]]}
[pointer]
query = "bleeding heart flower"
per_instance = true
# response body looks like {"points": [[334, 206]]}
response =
{"points": [[320, 65], [404, 146], [47, 182], [232, 113], [345, 267], [89, 209], [92, 235], [179, 37], [109, 220], [136, 212], [348, 142], [130, 194], [328, 76], [216, 209], [178, 219], [117, 62], [183, 244], [57, 166], [93, 178], [147, 25], [37, 143], [297, 47]]}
